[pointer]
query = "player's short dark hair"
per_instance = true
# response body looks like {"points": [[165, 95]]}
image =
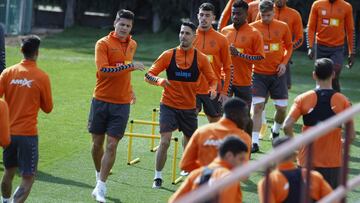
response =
{"points": [[30, 45], [232, 144], [123, 13], [241, 4], [266, 6], [324, 68], [189, 24], [280, 140], [234, 106], [207, 7]]}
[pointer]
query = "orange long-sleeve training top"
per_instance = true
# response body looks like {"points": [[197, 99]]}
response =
{"points": [[215, 46], [113, 82], [226, 14], [249, 42], [278, 46], [202, 148], [180, 94], [293, 19], [330, 22], [26, 89], [4, 124], [230, 194]]}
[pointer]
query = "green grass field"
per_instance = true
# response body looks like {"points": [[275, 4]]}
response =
{"points": [[66, 172]]}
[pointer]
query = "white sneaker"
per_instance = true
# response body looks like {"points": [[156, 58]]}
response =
{"points": [[99, 193], [184, 173]]}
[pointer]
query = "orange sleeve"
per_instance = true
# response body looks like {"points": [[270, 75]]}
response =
{"points": [[103, 65], [261, 192], [226, 59], [207, 71], [189, 158], [185, 188], [312, 24], [4, 124], [350, 30], [225, 15], [159, 65], [233, 192], [295, 110], [298, 31], [46, 98], [258, 50], [288, 45]]}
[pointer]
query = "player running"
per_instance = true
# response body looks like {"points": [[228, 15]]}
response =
{"points": [[183, 65]]}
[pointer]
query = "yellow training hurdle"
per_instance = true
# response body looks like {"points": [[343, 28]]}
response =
{"points": [[131, 135]]}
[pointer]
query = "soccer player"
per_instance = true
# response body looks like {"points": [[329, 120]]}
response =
{"points": [[225, 15], [2, 49], [316, 106], [233, 152], [215, 46], [26, 89], [286, 181], [293, 19], [329, 20], [247, 49], [113, 95], [183, 65], [4, 124], [203, 145], [269, 75]]}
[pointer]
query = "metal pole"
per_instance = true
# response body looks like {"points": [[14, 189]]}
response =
{"points": [[345, 164], [153, 119], [306, 187], [130, 142], [267, 185]]}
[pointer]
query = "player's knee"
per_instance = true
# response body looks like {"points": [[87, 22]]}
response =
{"points": [[111, 148], [165, 143]]}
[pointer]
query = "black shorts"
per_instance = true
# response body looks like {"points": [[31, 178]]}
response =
{"points": [[108, 118], [336, 54], [183, 120], [242, 92], [265, 84], [23, 152], [331, 175], [212, 107]]}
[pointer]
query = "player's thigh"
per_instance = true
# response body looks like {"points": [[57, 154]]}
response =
{"points": [[167, 120], [98, 117], [10, 158], [188, 121], [118, 119]]}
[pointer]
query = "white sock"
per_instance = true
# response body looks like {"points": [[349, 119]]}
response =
{"points": [[276, 127], [97, 175], [158, 174], [255, 137], [101, 184], [263, 117], [5, 200]]}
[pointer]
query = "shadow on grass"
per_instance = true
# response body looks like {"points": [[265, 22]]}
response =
{"points": [[45, 177], [115, 200]]}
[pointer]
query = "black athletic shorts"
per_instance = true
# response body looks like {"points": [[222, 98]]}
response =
{"points": [[183, 120], [23, 152], [108, 118], [212, 107], [243, 92], [265, 84]]}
